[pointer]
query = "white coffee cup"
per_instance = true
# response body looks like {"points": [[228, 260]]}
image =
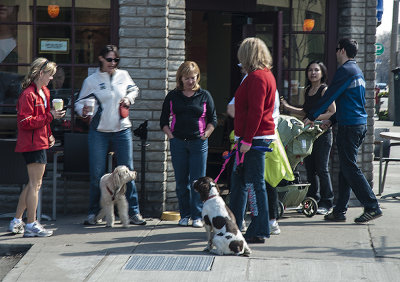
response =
{"points": [[58, 104], [89, 103]]}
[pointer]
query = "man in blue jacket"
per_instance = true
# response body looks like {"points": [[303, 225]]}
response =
{"points": [[348, 90]]}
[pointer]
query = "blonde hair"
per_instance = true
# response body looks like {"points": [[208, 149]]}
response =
{"points": [[38, 65], [253, 54], [185, 69]]}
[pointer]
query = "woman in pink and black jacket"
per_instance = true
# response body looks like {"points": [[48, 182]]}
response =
{"points": [[188, 118]]}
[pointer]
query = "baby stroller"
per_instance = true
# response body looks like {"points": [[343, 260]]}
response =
{"points": [[298, 142]]}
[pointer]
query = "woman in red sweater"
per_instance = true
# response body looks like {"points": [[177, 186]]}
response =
{"points": [[34, 138], [254, 127]]}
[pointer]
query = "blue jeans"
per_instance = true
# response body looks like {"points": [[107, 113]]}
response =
{"points": [[318, 172], [251, 178], [99, 144], [349, 139], [189, 159]]}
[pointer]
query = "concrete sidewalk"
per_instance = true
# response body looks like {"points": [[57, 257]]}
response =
{"points": [[309, 249]]}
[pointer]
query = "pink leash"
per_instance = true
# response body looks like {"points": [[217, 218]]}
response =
{"points": [[227, 158]]}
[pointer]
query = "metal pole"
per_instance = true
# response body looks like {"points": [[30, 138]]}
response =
{"points": [[143, 171], [141, 132], [393, 58]]}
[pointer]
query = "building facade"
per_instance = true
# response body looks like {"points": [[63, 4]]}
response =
{"points": [[156, 36]]}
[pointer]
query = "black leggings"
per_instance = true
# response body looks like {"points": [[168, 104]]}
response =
{"points": [[272, 201]]}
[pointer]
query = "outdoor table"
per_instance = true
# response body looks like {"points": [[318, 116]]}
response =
{"points": [[391, 136]]}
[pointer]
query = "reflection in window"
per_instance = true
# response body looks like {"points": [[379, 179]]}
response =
{"points": [[306, 48], [89, 41], [8, 33], [309, 9], [297, 83]]}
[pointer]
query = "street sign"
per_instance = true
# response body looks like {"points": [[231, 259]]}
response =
{"points": [[379, 49]]}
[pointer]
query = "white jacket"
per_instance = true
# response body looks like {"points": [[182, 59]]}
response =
{"points": [[108, 91]]}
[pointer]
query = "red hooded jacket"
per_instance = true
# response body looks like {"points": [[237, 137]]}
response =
{"points": [[33, 120]]}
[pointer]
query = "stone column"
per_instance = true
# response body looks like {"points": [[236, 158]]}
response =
{"points": [[357, 20], [152, 36]]}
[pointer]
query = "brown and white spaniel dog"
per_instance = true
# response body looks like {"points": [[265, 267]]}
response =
{"points": [[220, 223], [113, 188]]}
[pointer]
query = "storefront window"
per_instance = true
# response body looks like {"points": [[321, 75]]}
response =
{"points": [[45, 28]]}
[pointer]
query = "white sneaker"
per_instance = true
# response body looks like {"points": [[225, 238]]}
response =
{"points": [[197, 223], [137, 219], [92, 220], [274, 229], [16, 227], [322, 210], [244, 227], [184, 221], [37, 230]]}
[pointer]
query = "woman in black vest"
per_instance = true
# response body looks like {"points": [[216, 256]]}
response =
{"points": [[317, 163]]}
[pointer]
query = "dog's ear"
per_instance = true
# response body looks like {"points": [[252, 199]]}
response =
{"points": [[194, 184], [116, 177]]}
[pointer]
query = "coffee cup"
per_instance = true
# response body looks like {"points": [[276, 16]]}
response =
{"points": [[58, 104], [89, 103]]}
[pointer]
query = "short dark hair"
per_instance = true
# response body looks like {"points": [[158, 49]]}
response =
{"points": [[350, 46], [107, 49], [324, 72]]}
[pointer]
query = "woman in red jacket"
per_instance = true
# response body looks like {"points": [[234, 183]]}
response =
{"points": [[34, 138], [254, 127]]}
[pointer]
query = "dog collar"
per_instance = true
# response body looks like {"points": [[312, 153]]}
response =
{"points": [[213, 196]]}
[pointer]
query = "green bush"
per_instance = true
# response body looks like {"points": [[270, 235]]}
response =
{"points": [[383, 115], [383, 94]]}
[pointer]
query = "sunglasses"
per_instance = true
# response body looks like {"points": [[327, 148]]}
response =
{"points": [[110, 60]]}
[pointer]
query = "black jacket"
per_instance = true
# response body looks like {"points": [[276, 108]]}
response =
{"points": [[189, 115]]}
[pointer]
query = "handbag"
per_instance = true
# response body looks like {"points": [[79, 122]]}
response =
{"points": [[123, 110]]}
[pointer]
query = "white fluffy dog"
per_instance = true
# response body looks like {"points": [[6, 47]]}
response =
{"points": [[113, 188], [220, 223]]}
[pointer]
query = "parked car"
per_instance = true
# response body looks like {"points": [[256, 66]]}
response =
{"points": [[382, 86]]}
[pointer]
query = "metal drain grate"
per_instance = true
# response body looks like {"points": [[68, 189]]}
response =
{"points": [[170, 263]]}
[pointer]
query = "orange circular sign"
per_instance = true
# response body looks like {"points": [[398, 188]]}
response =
{"points": [[53, 11]]}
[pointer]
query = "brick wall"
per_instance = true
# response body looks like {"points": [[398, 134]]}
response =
{"points": [[357, 20], [152, 34]]}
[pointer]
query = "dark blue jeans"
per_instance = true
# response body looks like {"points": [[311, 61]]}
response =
{"points": [[318, 172], [189, 159], [349, 139], [251, 177], [99, 143]]}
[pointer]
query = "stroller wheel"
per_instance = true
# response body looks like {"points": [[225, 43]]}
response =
{"points": [[310, 207], [281, 209]]}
